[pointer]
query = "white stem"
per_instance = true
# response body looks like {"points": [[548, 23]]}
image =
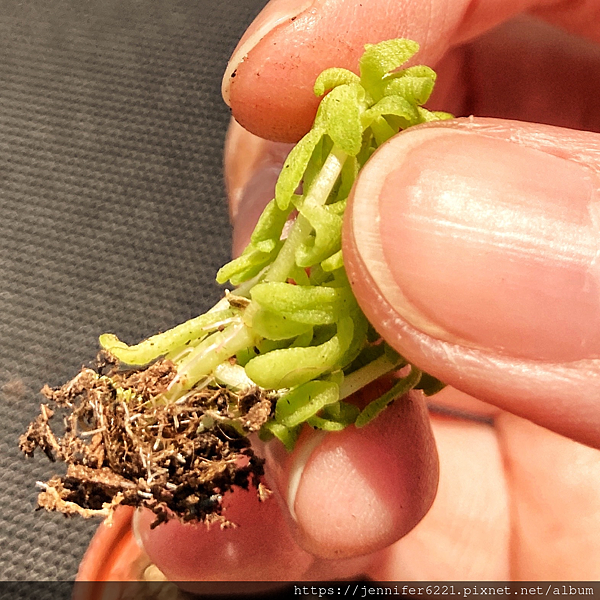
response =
{"points": [[365, 375], [215, 349], [233, 376], [318, 194]]}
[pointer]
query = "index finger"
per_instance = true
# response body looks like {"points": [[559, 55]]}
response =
{"points": [[269, 80]]}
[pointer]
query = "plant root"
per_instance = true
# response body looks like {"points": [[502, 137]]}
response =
{"points": [[124, 444]]}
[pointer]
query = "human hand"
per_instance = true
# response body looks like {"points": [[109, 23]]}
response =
{"points": [[475, 255]]}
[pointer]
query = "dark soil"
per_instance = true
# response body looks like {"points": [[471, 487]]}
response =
{"points": [[124, 445]]}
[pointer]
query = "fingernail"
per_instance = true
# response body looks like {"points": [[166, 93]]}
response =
{"points": [[297, 468], [285, 470], [274, 13], [484, 242]]}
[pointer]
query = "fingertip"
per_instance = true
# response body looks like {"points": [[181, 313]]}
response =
{"points": [[467, 533], [362, 489], [258, 547], [269, 80], [272, 91], [273, 14]]}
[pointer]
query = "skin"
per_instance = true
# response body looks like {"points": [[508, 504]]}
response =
{"points": [[472, 246]]}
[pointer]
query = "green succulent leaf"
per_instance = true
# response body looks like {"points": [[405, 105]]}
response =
{"points": [[430, 385], [294, 167], [304, 304], [293, 326], [290, 367], [275, 326], [270, 224], [305, 401], [163, 343], [382, 130], [246, 266], [402, 386], [415, 90], [315, 164], [285, 435], [359, 336], [380, 59], [427, 116], [414, 71], [335, 417], [331, 78], [334, 262], [392, 105], [339, 114], [327, 238], [347, 179]]}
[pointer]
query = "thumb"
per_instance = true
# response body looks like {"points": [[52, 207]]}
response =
{"points": [[473, 247]]}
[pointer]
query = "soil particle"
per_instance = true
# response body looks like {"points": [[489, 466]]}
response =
{"points": [[123, 444]]}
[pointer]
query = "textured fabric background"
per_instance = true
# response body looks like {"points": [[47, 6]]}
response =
{"points": [[112, 209]]}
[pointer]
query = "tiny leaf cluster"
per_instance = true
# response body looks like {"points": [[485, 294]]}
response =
{"points": [[292, 325]]}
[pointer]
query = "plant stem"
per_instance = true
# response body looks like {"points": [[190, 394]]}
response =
{"points": [[233, 376], [215, 349], [318, 194], [398, 389], [367, 374], [220, 346]]}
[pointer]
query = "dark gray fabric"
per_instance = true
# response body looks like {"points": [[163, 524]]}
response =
{"points": [[112, 209]]}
